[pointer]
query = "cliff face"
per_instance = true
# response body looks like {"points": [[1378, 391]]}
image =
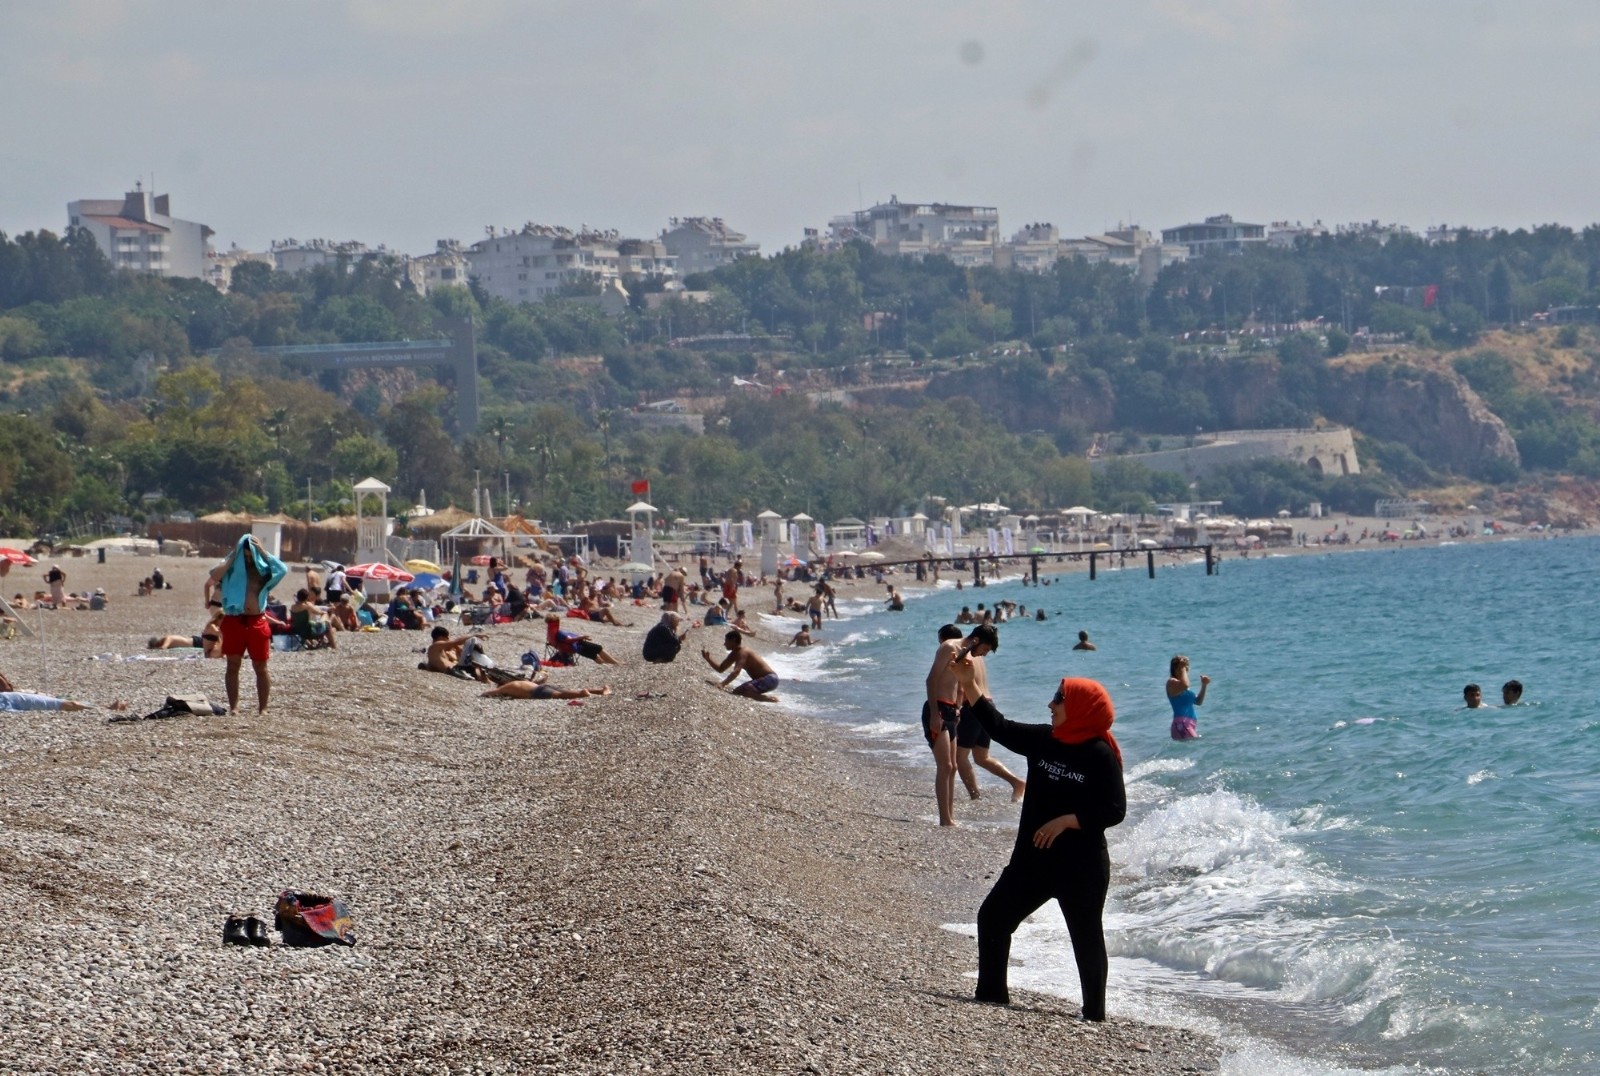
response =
{"points": [[1431, 411], [1024, 397]]}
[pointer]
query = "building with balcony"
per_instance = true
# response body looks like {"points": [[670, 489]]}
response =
{"points": [[966, 234], [540, 260], [139, 233], [1215, 235], [294, 256], [704, 244], [446, 266]]}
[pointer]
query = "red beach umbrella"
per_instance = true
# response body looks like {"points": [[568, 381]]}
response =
{"points": [[386, 572], [16, 556]]}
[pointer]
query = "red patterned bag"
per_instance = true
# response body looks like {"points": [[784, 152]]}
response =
{"points": [[307, 919]]}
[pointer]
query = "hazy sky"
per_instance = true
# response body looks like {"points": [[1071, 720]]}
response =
{"points": [[405, 121]]}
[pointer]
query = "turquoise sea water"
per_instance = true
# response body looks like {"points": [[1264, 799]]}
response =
{"points": [[1349, 871]]}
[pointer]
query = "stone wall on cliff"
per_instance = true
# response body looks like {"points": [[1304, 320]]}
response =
{"points": [[1431, 410]]}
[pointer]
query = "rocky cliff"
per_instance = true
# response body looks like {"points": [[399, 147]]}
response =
{"points": [[1429, 409]]}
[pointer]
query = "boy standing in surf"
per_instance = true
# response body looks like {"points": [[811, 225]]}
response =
{"points": [[972, 739]]}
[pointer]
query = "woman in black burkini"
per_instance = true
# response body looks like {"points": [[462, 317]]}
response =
{"points": [[1074, 795]]}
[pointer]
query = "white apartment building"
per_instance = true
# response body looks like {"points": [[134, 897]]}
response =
{"points": [[446, 266], [539, 260], [1282, 234], [293, 256], [1037, 247], [702, 244], [221, 264], [967, 234], [140, 234]]}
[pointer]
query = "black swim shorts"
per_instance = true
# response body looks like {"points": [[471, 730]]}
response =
{"points": [[971, 733]]}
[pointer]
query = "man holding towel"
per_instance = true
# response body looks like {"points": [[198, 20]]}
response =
{"points": [[243, 582]]}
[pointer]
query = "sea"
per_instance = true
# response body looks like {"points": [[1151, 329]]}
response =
{"points": [[1349, 872]]}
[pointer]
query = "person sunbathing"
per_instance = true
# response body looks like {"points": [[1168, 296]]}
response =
{"points": [[527, 689]]}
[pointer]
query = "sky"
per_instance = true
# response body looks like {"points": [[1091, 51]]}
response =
{"points": [[407, 121]]}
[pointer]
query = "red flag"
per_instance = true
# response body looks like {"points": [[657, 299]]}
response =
{"points": [[641, 487], [1430, 295]]}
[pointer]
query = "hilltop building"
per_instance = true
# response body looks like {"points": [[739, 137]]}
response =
{"points": [[1215, 235], [140, 234], [446, 266], [539, 260], [702, 244], [1037, 247], [221, 264], [966, 234], [1282, 235], [293, 256]]}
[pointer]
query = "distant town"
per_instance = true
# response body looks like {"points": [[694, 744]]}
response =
{"points": [[533, 262]]}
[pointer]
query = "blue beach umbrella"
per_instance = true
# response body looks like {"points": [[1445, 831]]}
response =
{"points": [[426, 580]]}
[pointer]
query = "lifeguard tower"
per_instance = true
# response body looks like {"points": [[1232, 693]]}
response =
{"points": [[372, 530], [771, 537], [641, 549]]}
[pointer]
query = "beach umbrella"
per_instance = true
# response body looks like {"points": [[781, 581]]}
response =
{"points": [[455, 574], [482, 560], [427, 580], [16, 556], [871, 554], [384, 572], [634, 567], [421, 565], [1038, 549]]}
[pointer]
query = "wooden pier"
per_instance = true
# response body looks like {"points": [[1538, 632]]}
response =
{"points": [[1033, 559]]}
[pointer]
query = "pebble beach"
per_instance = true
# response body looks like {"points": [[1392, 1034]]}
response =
{"points": [[666, 879]]}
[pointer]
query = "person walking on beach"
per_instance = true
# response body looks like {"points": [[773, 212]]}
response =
{"points": [[1183, 699], [1084, 643], [243, 581], [58, 586], [762, 678], [941, 720], [1075, 793], [972, 741]]}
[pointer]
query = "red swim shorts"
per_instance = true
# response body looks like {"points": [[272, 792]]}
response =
{"points": [[249, 633]]}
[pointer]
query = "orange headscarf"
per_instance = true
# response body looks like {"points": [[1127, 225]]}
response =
{"points": [[1088, 714]]}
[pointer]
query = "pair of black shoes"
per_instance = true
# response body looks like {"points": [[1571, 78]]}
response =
{"points": [[244, 930]]}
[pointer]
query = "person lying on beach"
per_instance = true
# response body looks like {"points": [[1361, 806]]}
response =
{"points": [[13, 700], [762, 678], [527, 689]]}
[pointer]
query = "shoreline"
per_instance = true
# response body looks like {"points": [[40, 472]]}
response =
{"points": [[685, 881]]}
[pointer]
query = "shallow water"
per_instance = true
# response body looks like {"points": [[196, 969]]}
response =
{"points": [[1348, 869]]}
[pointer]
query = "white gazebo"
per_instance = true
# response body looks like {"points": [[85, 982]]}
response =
{"points": [[476, 531], [640, 548]]}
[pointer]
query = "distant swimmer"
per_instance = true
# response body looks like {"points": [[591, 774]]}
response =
{"points": [[742, 658], [1511, 692], [1084, 643], [1183, 699], [941, 719], [1473, 695]]}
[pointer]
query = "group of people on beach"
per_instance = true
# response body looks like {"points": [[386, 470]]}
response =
{"points": [[1072, 794]]}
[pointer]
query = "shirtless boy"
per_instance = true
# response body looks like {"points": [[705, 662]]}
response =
{"points": [[762, 678], [972, 739], [444, 653], [941, 717]]}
